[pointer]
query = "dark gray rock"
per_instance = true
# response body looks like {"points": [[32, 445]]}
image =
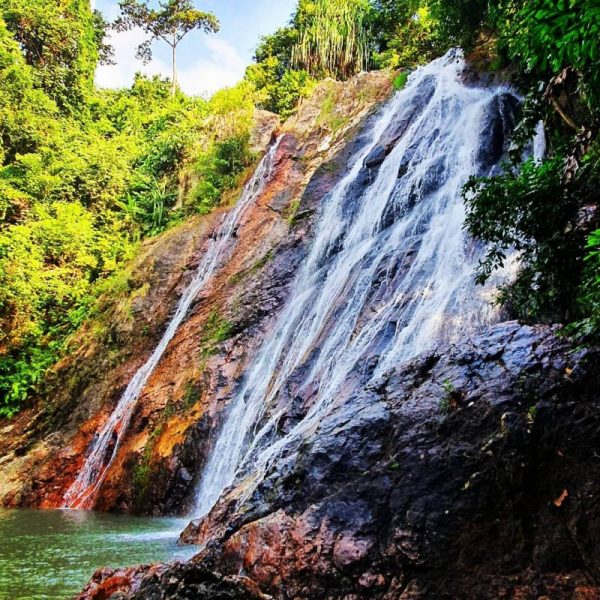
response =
{"points": [[375, 157], [471, 472], [189, 582]]}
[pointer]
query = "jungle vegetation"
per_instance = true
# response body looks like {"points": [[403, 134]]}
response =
{"points": [[87, 174]]}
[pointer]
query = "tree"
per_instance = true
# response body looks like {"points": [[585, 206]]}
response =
{"points": [[279, 87], [62, 42], [171, 22], [333, 37], [404, 34]]}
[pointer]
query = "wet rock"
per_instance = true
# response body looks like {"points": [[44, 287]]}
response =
{"points": [[375, 157], [395, 496], [170, 432], [114, 583], [500, 120], [163, 582], [188, 582], [397, 128]]}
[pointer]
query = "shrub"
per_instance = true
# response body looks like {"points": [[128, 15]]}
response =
{"points": [[531, 213]]}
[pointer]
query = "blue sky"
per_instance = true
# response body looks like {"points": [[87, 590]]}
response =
{"points": [[206, 62]]}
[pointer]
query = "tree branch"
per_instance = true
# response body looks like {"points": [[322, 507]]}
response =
{"points": [[565, 117]]}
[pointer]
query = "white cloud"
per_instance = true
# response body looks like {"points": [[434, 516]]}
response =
{"points": [[127, 65], [218, 64]]}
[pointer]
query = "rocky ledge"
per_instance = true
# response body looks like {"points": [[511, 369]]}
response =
{"points": [[161, 456], [470, 472]]}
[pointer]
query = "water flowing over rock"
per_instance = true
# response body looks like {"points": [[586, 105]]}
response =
{"points": [[389, 272], [158, 459], [313, 375], [106, 442], [468, 472]]}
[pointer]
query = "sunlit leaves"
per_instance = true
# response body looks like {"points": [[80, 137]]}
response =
{"points": [[550, 35], [63, 42], [529, 212], [333, 37]]}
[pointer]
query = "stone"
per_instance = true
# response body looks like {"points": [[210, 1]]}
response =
{"points": [[391, 498], [375, 157]]}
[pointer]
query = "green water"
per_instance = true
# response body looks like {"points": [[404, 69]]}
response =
{"points": [[52, 554]]}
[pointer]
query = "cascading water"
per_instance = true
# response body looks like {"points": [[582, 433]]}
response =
{"points": [[390, 272], [104, 447]]}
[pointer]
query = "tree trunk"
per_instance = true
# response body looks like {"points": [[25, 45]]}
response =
{"points": [[174, 76]]}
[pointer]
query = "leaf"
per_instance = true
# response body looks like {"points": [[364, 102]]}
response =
{"points": [[558, 502]]}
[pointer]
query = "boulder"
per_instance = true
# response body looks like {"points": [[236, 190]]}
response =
{"points": [[469, 472]]}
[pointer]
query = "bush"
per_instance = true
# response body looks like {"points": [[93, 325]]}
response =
{"points": [[219, 170], [530, 212], [333, 37], [589, 294], [85, 174], [405, 34]]}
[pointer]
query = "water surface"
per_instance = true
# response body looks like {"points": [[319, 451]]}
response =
{"points": [[52, 554]]}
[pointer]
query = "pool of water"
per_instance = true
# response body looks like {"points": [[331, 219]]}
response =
{"points": [[52, 553]]}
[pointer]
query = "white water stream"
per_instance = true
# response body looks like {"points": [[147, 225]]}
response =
{"points": [[390, 272], [104, 447]]}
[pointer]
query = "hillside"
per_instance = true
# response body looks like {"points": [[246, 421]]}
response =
{"points": [[329, 333]]}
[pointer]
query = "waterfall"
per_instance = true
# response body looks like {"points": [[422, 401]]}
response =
{"points": [[106, 442], [390, 271]]}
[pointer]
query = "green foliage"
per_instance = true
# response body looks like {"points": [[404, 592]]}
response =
{"points": [[142, 471], [531, 212], [333, 37], [291, 211], [21, 374], [280, 95], [217, 329], [447, 400], [458, 22], [48, 266], [541, 209], [324, 39], [191, 395], [451, 399], [405, 34], [25, 111], [279, 87], [400, 81], [62, 41], [219, 170], [547, 36], [589, 293], [85, 174], [329, 116], [445, 405]]}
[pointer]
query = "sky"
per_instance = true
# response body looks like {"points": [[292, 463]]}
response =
{"points": [[206, 62]]}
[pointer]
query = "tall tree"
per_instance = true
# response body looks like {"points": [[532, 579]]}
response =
{"points": [[171, 22], [333, 37], [63, 42]]}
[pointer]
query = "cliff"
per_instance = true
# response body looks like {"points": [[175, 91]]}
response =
{"points": [[157, 466], [469, 472], [367, 424]]}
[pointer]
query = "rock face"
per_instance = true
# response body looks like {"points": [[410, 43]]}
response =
{"points": [[470, 472], [159, 460], [185, 582]]}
